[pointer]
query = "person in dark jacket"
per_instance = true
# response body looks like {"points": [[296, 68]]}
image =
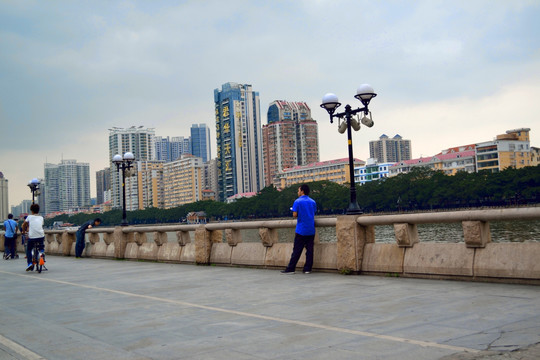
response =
{"points": [[81, 233]]}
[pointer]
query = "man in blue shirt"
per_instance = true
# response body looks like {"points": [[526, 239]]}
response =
{"points": [[10, 243], [304, 209]]}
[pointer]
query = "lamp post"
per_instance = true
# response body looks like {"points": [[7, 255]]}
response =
{"points": [[34, 188], [125, 163], [330, 102]]}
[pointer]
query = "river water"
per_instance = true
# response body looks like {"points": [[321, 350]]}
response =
{"points": [[501, 231]]}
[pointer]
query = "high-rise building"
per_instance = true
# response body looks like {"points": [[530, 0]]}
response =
{"points": [[239, 140], [137, 140], [66, 186], [170, 149], [386, 150], [185, 181], [4, 201], [103, 183], [200, 141], [289, 139], [149, 179], [22, 208]]}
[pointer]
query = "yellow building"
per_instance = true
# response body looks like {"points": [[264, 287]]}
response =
{"points": [[184, 179], [150, 184], [507, 150], [333, 170]]}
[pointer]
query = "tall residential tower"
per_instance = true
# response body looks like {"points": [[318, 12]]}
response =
{"points": [[386, 150], [289, 139], [239, 140], [200, 141], [139, 141], [67, 186]]}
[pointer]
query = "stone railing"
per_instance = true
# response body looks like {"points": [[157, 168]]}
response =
{"points": [[354, 251]]}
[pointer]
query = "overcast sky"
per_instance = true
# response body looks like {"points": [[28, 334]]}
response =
{"points": [[447, 73]]}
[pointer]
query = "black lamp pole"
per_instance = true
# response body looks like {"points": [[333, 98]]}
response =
{"points": [[330, 102], [34, 188], [124, 163]]}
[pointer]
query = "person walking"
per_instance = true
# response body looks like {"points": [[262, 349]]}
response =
{"points": [[81, 233], [36, 236], [10, 236], [304, 209]]}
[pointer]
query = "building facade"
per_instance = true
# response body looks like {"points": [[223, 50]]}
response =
{"points": [[386, 150], [184, 179], [22, 208], [137, 140], [333, 170], [103, 184], [289, 139], [239, 140], [200, 141], [66, 187], [371, 171], [450, 161], [170, 149], [507, 150], [4, 200], [150, 186]]}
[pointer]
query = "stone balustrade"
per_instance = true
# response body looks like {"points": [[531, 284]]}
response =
{"points": [[355, 250]]}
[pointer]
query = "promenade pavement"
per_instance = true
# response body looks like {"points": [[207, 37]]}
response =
{"points": [[108, 309]]}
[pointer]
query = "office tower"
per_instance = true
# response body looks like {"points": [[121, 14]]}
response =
{"points": [[66, 186], [4, 201], [184, 179], [200, 141], [170, 149], [103, 183], [386, 150], [239, 140], [289, 139], [137, 140]]}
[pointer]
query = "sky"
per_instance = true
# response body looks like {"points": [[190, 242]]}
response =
{"points": [[446, 73]]}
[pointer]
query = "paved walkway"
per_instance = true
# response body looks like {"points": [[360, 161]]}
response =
{"points": [[106, 309]]}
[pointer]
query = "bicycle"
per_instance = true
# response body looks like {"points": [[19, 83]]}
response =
{"points": [[38, 259]]}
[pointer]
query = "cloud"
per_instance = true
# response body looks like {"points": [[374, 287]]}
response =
{"points": [[449, 72]]}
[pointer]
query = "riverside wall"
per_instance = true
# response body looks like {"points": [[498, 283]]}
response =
{"points": [[355, 250]]}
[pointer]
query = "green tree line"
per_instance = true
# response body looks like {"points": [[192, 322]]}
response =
{"points": [[420, 189]]}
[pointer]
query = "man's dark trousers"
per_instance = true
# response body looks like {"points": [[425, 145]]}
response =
{"points": [[10, 246], [301, 242], [79, 243]]}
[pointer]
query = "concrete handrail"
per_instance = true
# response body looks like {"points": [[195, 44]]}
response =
{"points": [[532, 213]]}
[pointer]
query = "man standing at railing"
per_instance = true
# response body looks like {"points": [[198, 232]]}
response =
{"points": [[304, 209], [81, 234]]}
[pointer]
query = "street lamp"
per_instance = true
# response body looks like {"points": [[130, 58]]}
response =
{"points": [[34, 188], [124, 163], [330, 102]]}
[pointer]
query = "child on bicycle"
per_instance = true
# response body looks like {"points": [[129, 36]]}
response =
{"points": [[34, 226]]}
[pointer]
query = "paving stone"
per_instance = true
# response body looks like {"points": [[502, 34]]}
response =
{"points": [[105, 309]]}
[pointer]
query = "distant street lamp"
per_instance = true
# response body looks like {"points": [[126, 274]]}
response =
{"points": [[330, 102], [124, 163], [34, 188]]}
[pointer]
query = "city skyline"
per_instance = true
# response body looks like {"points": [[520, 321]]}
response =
{"points": [[445, 76]]}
